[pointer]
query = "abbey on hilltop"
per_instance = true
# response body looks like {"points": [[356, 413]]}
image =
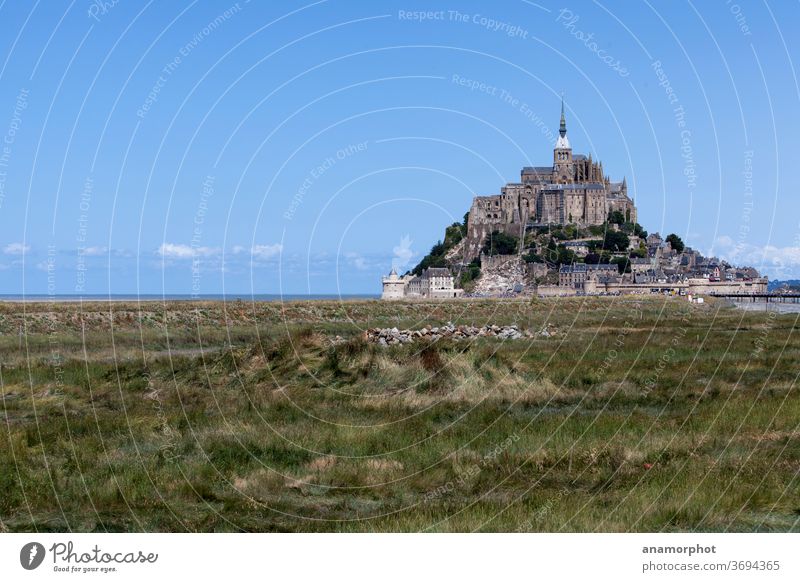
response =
{"points": [[574, 190], [563, 230]]}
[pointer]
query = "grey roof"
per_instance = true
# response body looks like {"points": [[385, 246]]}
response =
{"points": [[578, 157], [585, 268], [436, 272], [615, 188], [607, 279], [537, 170]]}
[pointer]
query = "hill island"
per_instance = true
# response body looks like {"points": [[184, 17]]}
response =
{"points": [[564, 229]]}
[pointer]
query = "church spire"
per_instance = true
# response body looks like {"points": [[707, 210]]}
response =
{"points": [[562, 143]]}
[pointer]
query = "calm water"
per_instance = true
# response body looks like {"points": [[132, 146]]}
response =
{"points": [[763, 306], [212, 297]]}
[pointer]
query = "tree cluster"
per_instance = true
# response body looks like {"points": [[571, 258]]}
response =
{"points": [[500, 243]]}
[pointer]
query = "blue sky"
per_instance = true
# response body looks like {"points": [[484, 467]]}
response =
{"points": [[296, 147]]}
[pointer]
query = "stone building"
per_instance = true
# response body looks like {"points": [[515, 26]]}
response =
{"points": [[433, 283], [579, 247], [394, 286], [574, 190], [576, 275]]}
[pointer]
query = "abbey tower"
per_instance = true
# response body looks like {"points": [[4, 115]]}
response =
{"points": [[563, 166], [574, 190]]}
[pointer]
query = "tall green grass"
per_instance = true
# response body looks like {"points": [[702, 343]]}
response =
{"points": [[634, 415]]}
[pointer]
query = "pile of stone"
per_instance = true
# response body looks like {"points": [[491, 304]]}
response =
{"points": [[503, 279], [394, 336]]}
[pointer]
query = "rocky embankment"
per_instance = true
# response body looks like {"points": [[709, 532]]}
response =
{"points": [[501, 279], [394, 336]]}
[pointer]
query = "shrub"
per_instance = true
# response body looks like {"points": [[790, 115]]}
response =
{"points": [[616, 217], [616, 241], [592, 259], [622, 263], [500, 243], [453, 235], [471, 272], [675, 241], [532, 257]]}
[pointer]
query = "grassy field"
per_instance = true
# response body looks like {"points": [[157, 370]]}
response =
{"points": [[645, 414]]}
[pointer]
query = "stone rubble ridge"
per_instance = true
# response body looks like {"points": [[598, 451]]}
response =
{"points": [[393, 336]]}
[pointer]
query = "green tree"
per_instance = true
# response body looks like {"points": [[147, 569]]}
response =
{"points": [[594, 245], [453, 235], [592, 259], [634, 228], [500, 243], [433, 259], [616, 217], [640, 253], [565, 256], [532, 257], [551, 253], [558, 254], [622, 263], [675, 241], [436, 258], [616, 241], [471, 272]]}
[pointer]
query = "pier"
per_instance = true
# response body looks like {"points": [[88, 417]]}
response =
{"points": [[760, 297]]}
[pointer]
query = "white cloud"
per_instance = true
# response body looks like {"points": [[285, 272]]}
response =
{"points": [[773, 261], [16, 249], [263, 252], [259, 252], [402, 254], [179, 251], [357, 261], [93, 251], [724, 242]]}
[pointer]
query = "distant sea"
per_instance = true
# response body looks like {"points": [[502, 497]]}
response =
{"points": [[763, 306], [177, 297]]}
